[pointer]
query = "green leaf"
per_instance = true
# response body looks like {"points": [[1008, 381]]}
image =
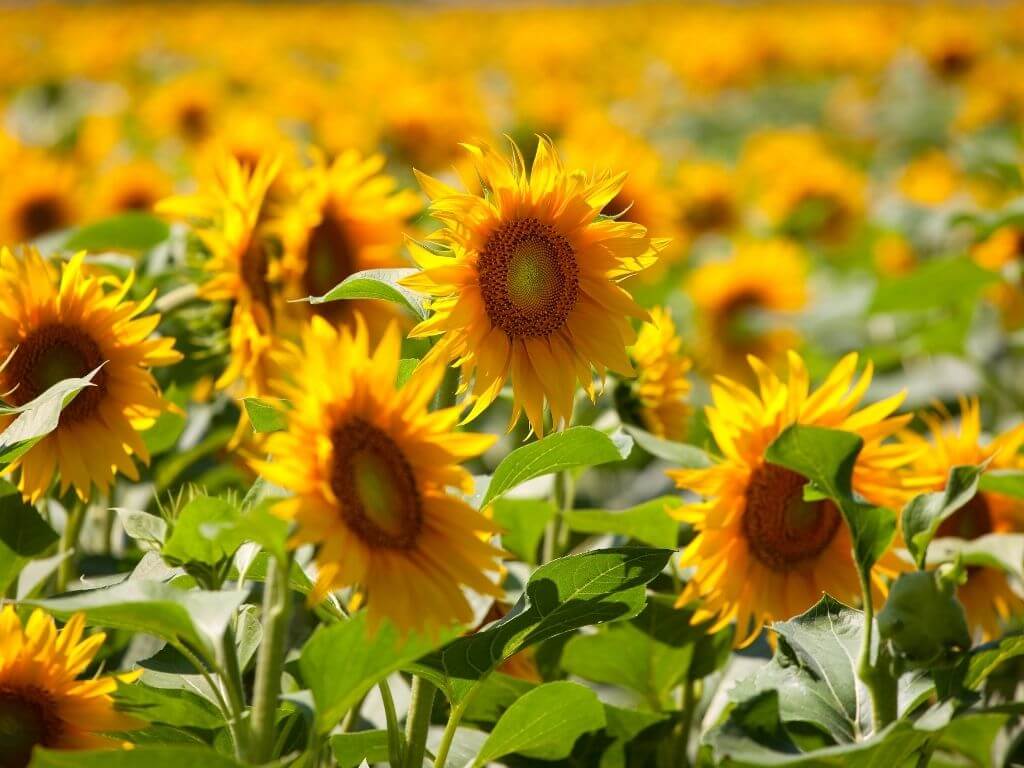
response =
{"points": [[575, 447], [24, 535], [205, 531], [1004, 551], [145, 756], [937, 283], [142, 526], [376, 284], [38, 418], [494, 695], [170, 706], [826, 457], [522, 525], [923, 515], [754, 735], [545, 723], [1009, 482], [922, 620], [340, 663], [166, 431], [986, 659], [263, 416], [814, 671], [649, 522], [563, 595], [351, 749], [133, 231], [650, 654], [194, 617], [405, 368], [679, 454]]}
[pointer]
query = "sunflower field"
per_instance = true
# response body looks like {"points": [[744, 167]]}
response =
{"points": [[625, 385]]}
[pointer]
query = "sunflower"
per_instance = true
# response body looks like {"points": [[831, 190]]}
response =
{"points": [[55, 329], [735, 297], [762, 552], [530, 291], [987, 596], [133, 186], [801, 188], [349, 217], [1001, 252], [661, 387], [234, 224], [42, 703], [931, 179], [38, 196], [370, 468], [706, 198]]}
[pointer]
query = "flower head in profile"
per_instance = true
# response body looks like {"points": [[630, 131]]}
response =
{"points": [[529, 292], [661, 387], [987, 596], [762, 551], [42, 700], [371, 469], [57, 327]]}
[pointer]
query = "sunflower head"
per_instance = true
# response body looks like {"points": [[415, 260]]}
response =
{"points": [[371, 470], [661, 388], [706, 198], [349, 216], [57, 327], [134, 186], [763, 552], [527, 290], [931, 179], [37, 196], [739, 300], [987, 595], [42, 701]]}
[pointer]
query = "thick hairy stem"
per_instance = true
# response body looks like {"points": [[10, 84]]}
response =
{"points": [[418, 721], [69, 541], [874, 672], [231, 674]]}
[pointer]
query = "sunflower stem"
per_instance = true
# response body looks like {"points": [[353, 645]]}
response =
{"points": [[556, 532], [69, 541], [417, 723], [396, 742], [454, 718], [231, 674], [269, 662], [874, 672]]}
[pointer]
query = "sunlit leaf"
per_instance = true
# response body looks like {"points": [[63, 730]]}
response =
{"points": [[376, 284]]}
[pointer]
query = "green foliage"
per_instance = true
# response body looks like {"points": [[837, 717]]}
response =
{"points": [[925, 513], [24, 535], [263, 416], [383, 284], [923, 621], [125, 232]]}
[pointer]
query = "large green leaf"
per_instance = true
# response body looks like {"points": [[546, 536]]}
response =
{"points": [[194, 617], [679, 454], [381, 284], [351, 749], [340, 663], [132, 231], [205, 531], [24, 535], [563, 595], [814, 672], [146, 756], [38, 418], [924, 513], [649, 522], [575, 447], [826, 457], [1009, 482], [922, 620], [1004, 551], [937, 283], [522, 524], [168, 705], [544, 724], [650, 654]]}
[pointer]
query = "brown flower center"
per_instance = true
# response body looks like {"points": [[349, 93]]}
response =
{"points": [[529, 278], [51, 354], [194, 122], [41, 215], [28, 717], [330, 258], [136, 199], [781, 529], [709, 215], [254, 268], [971, 521], [375, 486]]}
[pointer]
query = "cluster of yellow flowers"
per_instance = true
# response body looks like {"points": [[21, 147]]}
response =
{"points": [[698, 203]]}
